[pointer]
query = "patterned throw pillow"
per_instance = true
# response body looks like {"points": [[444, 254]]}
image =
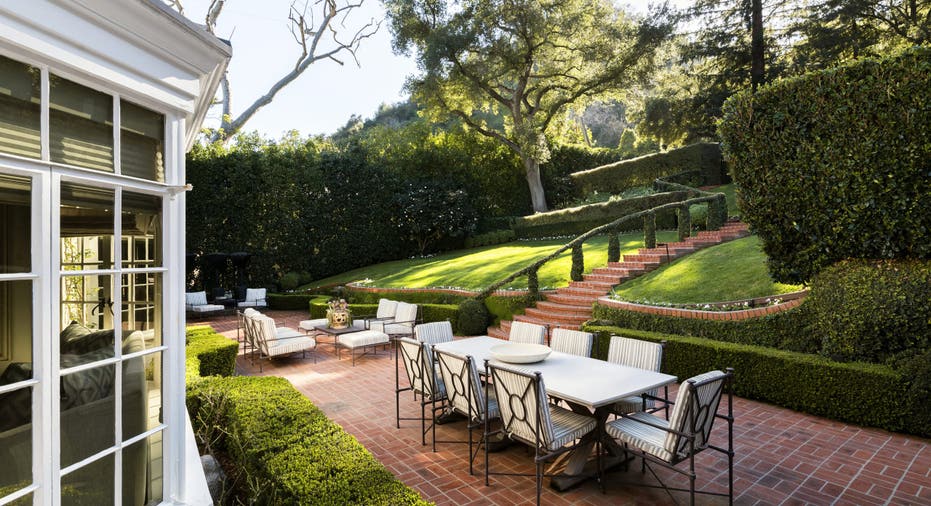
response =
{"points": [[16, 406], [88, 385]]}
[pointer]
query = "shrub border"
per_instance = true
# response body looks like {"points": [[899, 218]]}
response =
{"points": [[290, 452]]}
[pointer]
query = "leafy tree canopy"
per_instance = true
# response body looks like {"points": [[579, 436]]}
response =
{"points": [[525, 60]]}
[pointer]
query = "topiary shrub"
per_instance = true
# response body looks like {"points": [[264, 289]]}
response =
{"points": [[614, 248], [872, 310], [473, 317], [916, 370], [578, 263], [290, 281], [835, 164]]}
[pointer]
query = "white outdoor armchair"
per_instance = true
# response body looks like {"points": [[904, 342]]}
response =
{"points": [[270, 341], [255, 297], [196, 302]]}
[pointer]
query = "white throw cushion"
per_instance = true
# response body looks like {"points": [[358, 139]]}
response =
{"points": [[255, 294], [195, 298]]}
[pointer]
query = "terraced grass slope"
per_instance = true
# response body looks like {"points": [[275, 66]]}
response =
{"points": [[730, 271], [476, 268]]}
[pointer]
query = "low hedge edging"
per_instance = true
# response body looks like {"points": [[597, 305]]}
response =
{"points": [[864, 394], [784, 330], [289, 451], [289, 300]]}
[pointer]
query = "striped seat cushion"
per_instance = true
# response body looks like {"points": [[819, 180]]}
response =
{"points": [[640, 435], [290, 345], [362, 338], [631, 405], [573, 342], [568, 426], [523, 332]]}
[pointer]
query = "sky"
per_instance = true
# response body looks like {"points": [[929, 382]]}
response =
{"points": [[326, 95]]}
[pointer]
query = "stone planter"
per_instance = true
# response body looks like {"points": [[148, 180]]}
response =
{"points": [[338, 319]]}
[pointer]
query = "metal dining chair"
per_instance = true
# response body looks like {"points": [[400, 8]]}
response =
{"points": [[466, 396], [642, 355], [528, 417], [530, 333], [573, 342], [686, 433], [423, 381]]}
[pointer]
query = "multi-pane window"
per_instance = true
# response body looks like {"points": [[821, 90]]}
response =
{"points": [[17, 381], [20, 103], [107, 321]]}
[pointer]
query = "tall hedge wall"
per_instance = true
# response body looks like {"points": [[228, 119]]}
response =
{"points": [[578, 220], [836, 164], [642, 171]]}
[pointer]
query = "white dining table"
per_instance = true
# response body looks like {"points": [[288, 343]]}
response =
{"points": [[583, 382]]}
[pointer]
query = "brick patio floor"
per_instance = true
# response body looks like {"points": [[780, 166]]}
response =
{"points": [[782, 457]]}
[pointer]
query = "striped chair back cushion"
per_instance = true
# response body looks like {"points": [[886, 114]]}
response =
{"points": [[434, 332], [195, 298], [573, 342], [523, 332], [265, 331], [523, 404], [696, 404], [463, 389], [386, 308], [635, 353], [406, 313], [418, 363]]}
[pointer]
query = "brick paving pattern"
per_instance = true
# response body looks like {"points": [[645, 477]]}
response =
{"points": [[782, 457]]}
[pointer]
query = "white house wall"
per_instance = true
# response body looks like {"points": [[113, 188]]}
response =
{"points": [[136, 48]]}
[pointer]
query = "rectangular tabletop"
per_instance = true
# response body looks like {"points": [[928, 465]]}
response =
{"points": [[587, 381]]}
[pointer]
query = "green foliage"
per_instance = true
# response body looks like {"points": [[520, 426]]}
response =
{"points": [[916, 370], [433, 211], [209, 353], [578, 263], [288, 300], [872, 310], [473, 54], [490, 238], [649, 230], [684, 222], [863, 394], [836, 164], [735, 270], [614, 247], [504, 307], [286, 448], [619, 176], [566, 159], [473, 317], [786, 330], [290, 281], [368, 297], [578, 220]]}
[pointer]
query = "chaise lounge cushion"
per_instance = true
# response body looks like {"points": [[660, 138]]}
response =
{"points": [[354, 340]]}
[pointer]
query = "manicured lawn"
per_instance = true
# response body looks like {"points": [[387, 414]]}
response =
{"points": [[477, 268], [730, 271]]}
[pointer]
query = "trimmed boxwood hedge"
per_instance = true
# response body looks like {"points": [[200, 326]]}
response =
{"points": [[786, 330], [872, 310], [289, 451], [578, 220], [617, 177], [864, 394], [209, 353], [289, 300], [836, 164]]}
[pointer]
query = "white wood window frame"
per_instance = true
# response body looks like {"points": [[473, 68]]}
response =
{"points": [[46, 276]]}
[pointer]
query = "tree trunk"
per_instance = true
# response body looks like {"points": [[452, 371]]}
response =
{"points": [[537, 197], [756, 44]]}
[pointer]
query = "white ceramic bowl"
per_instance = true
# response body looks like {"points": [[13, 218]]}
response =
{"points": [[519, 353]]}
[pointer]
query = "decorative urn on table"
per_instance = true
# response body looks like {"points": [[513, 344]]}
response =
{"points": [[338, 315]]}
